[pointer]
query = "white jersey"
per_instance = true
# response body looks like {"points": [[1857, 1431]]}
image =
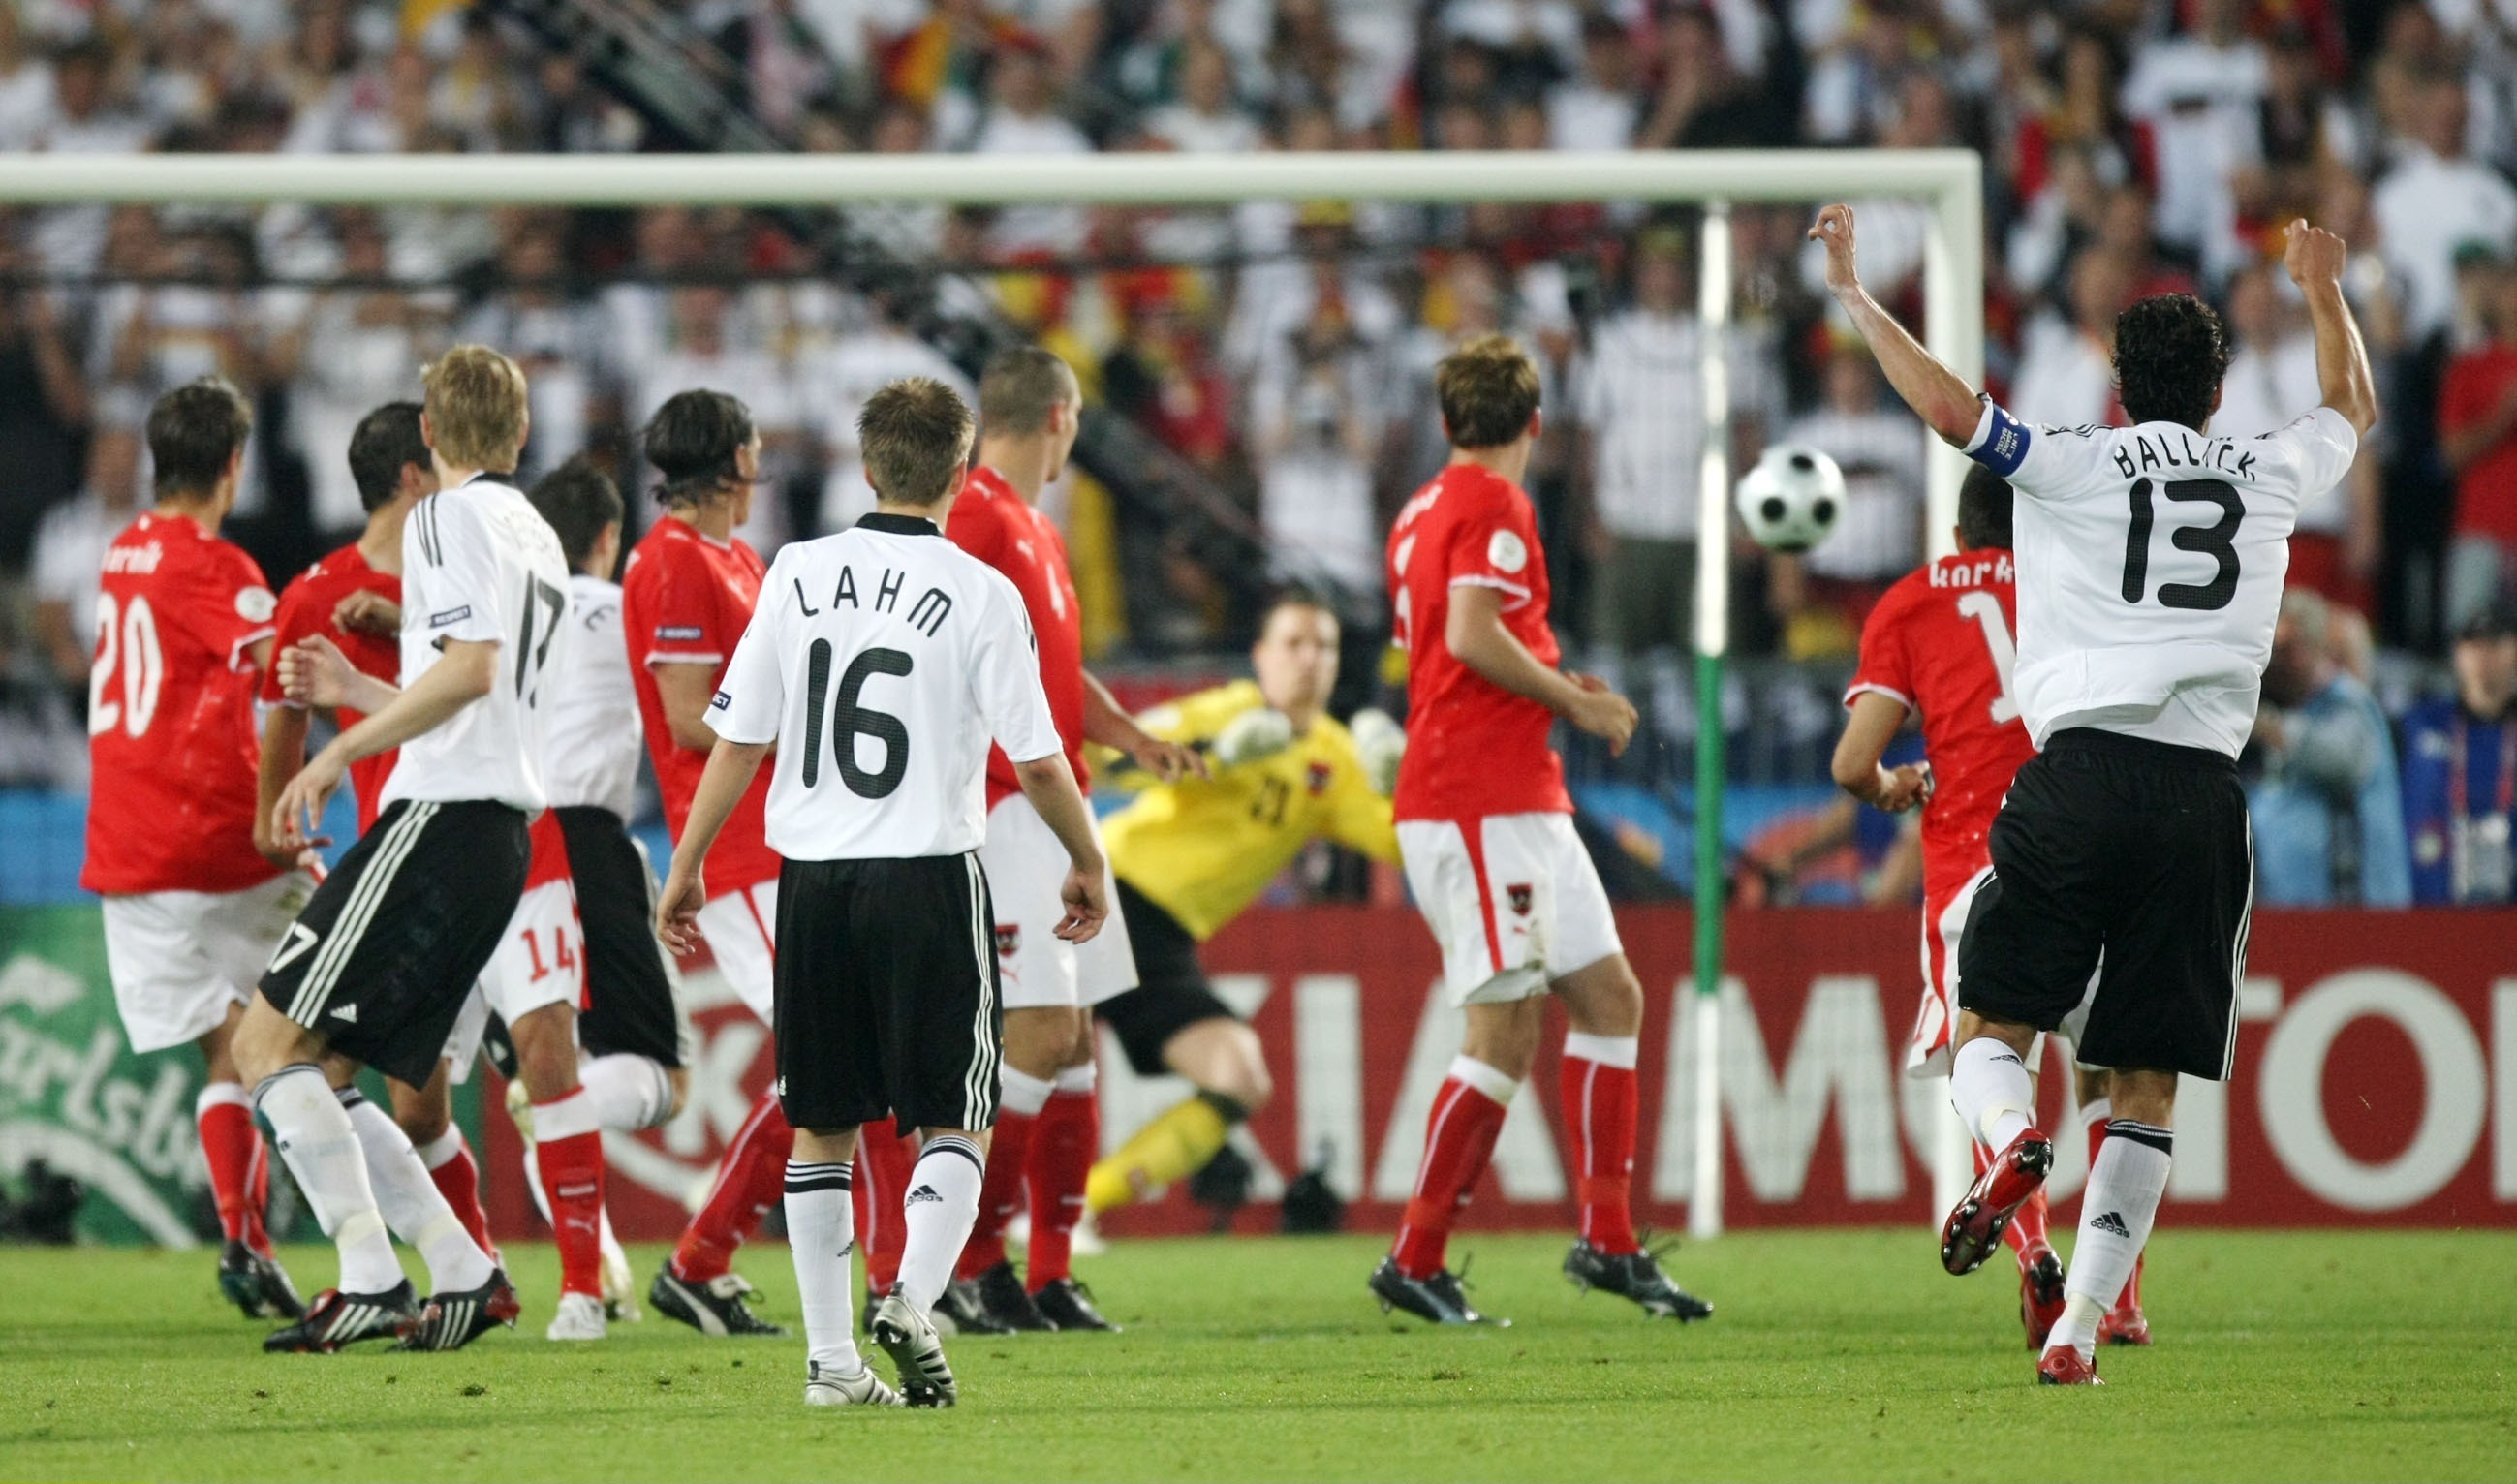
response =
{"points": [[592, 741], [882, 661], [481, 565], [2150, 562]]}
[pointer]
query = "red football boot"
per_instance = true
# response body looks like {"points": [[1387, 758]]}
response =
{"points": [[2126, 1324], [2040, 1293], [2063, 1367], [1972, 1231]]}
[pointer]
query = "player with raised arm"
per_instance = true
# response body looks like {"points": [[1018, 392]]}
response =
{"points": [[1049, 1132], [879, 663], [191, 909], [2123, 849], [1938, 647], [1485, 830], [353, 598], [378, 966], [1190, 855]]}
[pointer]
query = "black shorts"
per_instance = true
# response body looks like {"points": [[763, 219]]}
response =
{"points": [[2127, 860], [1172, 992], [887, 1002], [385, 954], [629, 998]]}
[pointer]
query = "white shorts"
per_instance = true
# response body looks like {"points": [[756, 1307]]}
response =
{"points": [[463, 1042], [740, 927], [1936, 1023], [1513, 899], [540, 960], [179, 958], [1040, 970]]}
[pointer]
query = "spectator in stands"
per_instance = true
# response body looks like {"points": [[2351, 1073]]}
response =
{"points": [[2477, 429], [2435, 200], [553, 335], [26, 86], [706, 347], [85, 119], [2066, 374], [1020, 120], [2200, 96], [2328, 806], [2272, 380], [69, 550], [44, 403], [2461, 771], [1315, 433], [1879, 537], [835, 381], [341, 352], [1594, 107]]}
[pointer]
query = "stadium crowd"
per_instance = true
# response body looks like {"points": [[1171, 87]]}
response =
{"points": [[1286, 348]]}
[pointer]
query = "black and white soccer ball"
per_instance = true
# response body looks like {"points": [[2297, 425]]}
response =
{"points": [[1793, 499]]}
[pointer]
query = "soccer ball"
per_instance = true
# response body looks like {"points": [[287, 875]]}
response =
{"points": [[1793, 499]]}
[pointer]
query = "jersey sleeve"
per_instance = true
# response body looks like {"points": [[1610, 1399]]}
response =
{"points": [[1886, 666], [228, 605], [1004, 679], [750, 697], [1492, 544], [2320, 446], [453, 566], [684, 614], [2044, 463]]}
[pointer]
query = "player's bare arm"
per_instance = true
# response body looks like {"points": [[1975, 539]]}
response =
{"points": [[284, 752], [685, 687], [1049, 784], [465, 671], [731, 766], [1475, 632], [1108, 723], [1938, 396], [2315, 258], [1867, 731], [313, 672], [369, 612]]}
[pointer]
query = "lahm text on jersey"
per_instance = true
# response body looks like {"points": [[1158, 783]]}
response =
{"points": [[926, 614]]}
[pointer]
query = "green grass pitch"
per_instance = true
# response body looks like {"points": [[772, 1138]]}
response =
{"points": [[1843, 1355]]}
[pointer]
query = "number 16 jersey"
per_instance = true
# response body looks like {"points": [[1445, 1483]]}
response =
{"points": [[2150, 562], [480, 565]]}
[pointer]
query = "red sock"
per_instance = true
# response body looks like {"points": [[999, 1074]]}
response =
{"points": [[1459, 1139], [258, 1197], [2129, 1301], [451, 1170], [1064, 1147], [750, 1180], [1000, 1192], [883, 1178], [230, 1145], [571, 1167], [1599, 1103]]}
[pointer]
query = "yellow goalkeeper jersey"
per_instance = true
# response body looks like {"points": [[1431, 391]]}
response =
{"points": [[1203, 849]]}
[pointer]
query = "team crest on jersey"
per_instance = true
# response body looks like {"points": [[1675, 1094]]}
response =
{"points": [[1008, 939], [1317, 777], [1520, 896]]}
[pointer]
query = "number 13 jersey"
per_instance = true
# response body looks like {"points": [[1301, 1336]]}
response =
{"points": [[882, 661], [481, 565], [2150, 562]]}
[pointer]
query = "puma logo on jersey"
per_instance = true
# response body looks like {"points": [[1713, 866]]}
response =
{"points": [[293, 947]]}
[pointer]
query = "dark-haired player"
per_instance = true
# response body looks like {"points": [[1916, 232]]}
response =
{"points": [[183, 627], [1486, 831], [2151, 560]]}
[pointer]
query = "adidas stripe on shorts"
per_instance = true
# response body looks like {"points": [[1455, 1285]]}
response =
{"points": [[384, 956]]}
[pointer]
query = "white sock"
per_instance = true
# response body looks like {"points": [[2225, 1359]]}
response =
{"points": [[2115, 1216], [1990, 1086], [821, 1234], [1078, 1078], [1608, 1050], [1489, 1080], [440, 1150], [1023, 1093], [410, 1202], [630, 1091], [2096, 1111], [321, 1148], [940, 1208]]}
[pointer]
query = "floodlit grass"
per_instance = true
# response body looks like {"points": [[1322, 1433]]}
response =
{"points": [[1834, 1356]]}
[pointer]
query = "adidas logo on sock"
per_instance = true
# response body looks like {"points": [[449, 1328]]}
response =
{"points": [[921, 1195], [2111, 1223]]}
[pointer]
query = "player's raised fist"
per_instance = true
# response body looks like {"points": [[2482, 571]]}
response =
{"points": [[2314, 256], [1834, 229], [314, 673]]}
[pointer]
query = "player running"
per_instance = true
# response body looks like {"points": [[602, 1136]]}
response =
{"points": [[2123, 849], [878, 663], [379, 964], [688, 592], [191, 909], [1939, 645], [1485, 830], [1190, 855], [1048, 1130]]}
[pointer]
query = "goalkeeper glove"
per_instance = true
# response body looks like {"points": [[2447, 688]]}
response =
{"points": [[1255, 734], [1379, 741]]}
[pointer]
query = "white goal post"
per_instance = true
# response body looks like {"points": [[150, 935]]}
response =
{"points": [[1950, 180]]}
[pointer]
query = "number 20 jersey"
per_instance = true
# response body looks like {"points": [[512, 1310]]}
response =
{"points": [[1939, 642], [2150, 562], [480, 565]]}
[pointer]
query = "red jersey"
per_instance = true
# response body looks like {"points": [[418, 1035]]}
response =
{"points": [[1940, 641], [686, 600], [171, 738], [1473, 748], [306, 608], [2477, 384], [998, 527]]}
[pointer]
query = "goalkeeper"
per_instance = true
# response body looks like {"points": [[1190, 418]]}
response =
{"points": [[1190, 855]]}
